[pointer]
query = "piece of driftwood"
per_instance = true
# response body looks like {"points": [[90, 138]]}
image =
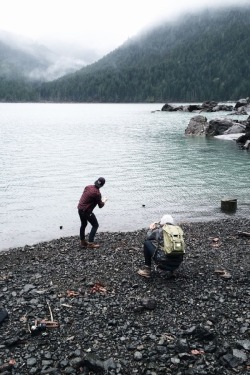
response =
{"points": [[228, 205], [243, 234], [50, 311]]}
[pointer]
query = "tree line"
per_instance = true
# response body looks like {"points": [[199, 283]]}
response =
{"points": [[200, 57]]}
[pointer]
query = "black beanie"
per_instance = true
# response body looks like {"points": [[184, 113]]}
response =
{"points": [[100, 182]]}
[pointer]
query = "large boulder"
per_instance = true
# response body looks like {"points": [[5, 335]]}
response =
{"points": [[244, 141], [197, 126], [168, 108], [241, 103], [243, 138], [235, 129], [212, 106], [248, 125], [209, 105], [219, 126], [222, 107], [192, 108], [242, 110]]}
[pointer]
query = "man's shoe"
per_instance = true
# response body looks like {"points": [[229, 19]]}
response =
{"points": [[84, 243], [92, 245], [145, 272]]}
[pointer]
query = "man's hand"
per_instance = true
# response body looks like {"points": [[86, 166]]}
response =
{"points": [[104, 200], [153, 226]]}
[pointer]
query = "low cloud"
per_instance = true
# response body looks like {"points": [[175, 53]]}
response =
{"points": [[60, 67]]}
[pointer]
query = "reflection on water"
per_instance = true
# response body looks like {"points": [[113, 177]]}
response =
{"points": [[49, 152]]}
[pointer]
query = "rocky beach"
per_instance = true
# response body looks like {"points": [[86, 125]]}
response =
{"points": [[82, 311]]}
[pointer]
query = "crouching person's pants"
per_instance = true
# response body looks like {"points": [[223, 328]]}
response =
{"points": [[149, 251], [163, 261]]}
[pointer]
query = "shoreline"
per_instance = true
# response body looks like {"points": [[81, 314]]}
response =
{"points": [[196, 221], [196, 323]]}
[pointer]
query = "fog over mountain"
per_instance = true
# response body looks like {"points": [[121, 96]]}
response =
{"points": [[37, 62], [59, 43]]}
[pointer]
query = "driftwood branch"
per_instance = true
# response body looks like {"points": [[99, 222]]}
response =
{"points": [[50, 311], [243, 234]]}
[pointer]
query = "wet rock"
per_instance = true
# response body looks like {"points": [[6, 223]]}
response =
{"points": [[240, 355], [167, 107], [210, 348], [27, 288], [241, 103], [245, 344], [138, 356], [219, 126], [148, 303], [182, 346], [11, 342], [197, 126], [31, 362], [230, 360], [109, 364], [93, 363]]}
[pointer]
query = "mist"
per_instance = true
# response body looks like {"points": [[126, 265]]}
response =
{"points": [[38, 62], [90, 30], [58, 51]]}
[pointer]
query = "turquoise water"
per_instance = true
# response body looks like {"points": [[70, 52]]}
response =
{"points": [[49, 152]]}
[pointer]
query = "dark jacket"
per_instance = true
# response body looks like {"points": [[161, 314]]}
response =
{"points": [[165, 261]]}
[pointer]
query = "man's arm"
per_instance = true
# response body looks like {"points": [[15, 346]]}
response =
{"points": [[153, 234], [101, 201]]}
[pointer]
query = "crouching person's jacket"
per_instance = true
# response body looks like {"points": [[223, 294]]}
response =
{"points": [[165, 261]]}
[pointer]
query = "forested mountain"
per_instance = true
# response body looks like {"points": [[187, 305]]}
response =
{"points": [[20, 63], [24, 64], [199, 57], [23, 57]]}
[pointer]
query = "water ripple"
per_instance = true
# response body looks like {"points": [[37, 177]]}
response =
{"points": [[49, 152]]}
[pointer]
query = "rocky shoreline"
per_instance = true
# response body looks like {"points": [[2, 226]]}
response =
{"points": [[112, 321], [199, 125]]}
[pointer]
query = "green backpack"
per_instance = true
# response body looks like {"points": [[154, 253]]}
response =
{"points": [[173, 239]]}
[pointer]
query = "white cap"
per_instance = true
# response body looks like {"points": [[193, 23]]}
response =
{"points": [[167, 219]]}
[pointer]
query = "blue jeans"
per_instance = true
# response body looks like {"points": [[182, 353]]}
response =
{"points": [[85, 218], [149, 250]]}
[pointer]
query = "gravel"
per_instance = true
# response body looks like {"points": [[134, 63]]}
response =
{"points": [[112, 321]]}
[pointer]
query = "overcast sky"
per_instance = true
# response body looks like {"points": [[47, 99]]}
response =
{"points": [[101, 25]]}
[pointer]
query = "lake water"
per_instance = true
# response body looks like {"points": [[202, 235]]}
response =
{"points": [[49, 152]]}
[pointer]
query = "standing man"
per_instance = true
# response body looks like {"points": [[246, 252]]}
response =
{"points": [[91, 197]]}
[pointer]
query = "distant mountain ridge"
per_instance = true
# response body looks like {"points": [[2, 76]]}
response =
{"points": [[20, 57], [199, 57], [16, 63], [202, 56]]}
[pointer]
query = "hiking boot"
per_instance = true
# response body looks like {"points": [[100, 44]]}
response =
{"points": [[92, 245], [145, 272], [83, 243]]}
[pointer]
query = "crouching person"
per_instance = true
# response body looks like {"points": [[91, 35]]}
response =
{"points": [[164, 245]]}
